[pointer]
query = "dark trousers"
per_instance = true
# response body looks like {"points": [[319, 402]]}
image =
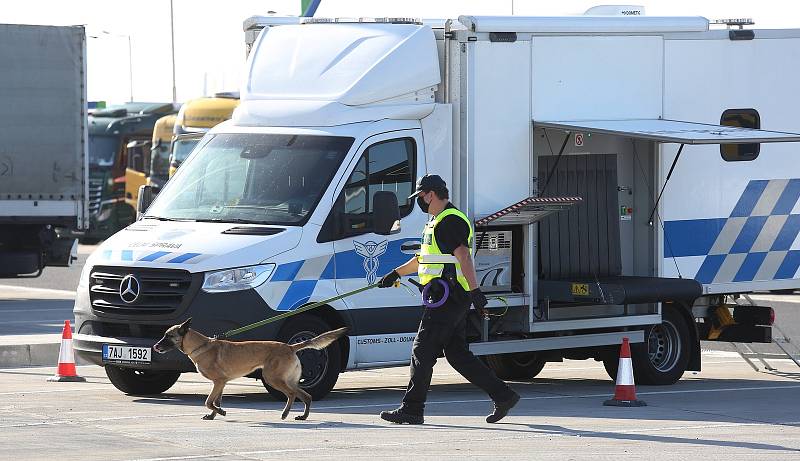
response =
{"points": [[444, 329]]}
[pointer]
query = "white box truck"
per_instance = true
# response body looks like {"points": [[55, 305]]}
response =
{"points": [[616, 169], [43, 161]]}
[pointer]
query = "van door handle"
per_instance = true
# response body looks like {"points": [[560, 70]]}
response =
{"points": [[410, 247]]}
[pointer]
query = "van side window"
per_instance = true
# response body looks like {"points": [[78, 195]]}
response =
{"points": [[384, 166], [744, 118]]}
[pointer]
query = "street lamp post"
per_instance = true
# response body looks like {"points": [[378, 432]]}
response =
{"points": [[130, 57], [172, 32]]}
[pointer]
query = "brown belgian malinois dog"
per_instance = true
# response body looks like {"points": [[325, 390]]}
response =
{"points": [[221, 361]]}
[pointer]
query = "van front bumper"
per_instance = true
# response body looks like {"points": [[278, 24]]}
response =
{"points": [[211, 313]]}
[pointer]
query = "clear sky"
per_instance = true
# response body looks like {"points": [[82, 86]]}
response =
{"points": [[209, 41]]}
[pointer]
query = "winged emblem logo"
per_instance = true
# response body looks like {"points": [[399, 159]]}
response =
{"points": [[370, 251]]}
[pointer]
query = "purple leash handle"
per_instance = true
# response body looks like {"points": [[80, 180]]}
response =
{"points": [[441, 301]]}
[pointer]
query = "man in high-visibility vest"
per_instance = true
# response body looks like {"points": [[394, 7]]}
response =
{"points": [[445, 258]]}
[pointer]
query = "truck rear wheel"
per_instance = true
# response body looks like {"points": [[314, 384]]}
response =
{"points": [[519, 365], [320, 368], [141, 382], [663, 356]]}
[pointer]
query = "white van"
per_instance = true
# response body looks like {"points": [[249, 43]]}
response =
{"points": [[557, 135]]}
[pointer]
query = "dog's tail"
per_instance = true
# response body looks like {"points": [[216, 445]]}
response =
{"points": [[320, 342]]}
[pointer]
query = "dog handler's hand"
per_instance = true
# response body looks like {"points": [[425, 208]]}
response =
{"points": [[479, 300], [389, 280]]}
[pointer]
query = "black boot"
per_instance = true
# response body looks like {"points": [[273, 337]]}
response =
{"points": [[401, 417], [501, 409]]}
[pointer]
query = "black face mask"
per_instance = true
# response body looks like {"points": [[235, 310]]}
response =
{"points": [[422, 205]]}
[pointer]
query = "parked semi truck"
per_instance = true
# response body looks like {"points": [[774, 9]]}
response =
{"points": [[43, 167], [635, 191], [119, 138], [194, 120], [154, 172]]}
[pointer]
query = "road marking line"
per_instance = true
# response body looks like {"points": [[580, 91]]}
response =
{"points": [[43, 290], [33, 309]]}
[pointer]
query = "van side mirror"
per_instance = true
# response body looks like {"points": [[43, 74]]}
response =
{"points": [[144, 201], [386, 213]]}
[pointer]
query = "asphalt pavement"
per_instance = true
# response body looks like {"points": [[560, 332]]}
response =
{"points": [[728, 412]]}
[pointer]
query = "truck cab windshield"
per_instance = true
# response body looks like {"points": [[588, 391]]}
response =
{"points": [[182, 148], [103, 150], [259, 178]]}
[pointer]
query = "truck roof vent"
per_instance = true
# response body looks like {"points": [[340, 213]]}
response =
{"points": [[246, 230]]}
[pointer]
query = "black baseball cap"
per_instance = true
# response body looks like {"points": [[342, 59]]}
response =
{"points": [[429, 182]]}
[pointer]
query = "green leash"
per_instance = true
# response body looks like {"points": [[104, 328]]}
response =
{"points": [[299, 310], [284, 315]]}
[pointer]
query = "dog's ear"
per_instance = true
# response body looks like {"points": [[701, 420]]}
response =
{"points": [[185, 326]]}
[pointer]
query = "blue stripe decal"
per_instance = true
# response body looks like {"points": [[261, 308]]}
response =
{"points": [[154, 256], [789, 266], [709, 269], [749, 198], [184, 257], [299, 293], [106, 254], [787, 234], [693, 237], [329, 273], [749, 268], [788, 198], [749, 234], [127, 255], [287, 272]]}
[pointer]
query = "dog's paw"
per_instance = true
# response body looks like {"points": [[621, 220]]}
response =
{"points": [[301, 417]]}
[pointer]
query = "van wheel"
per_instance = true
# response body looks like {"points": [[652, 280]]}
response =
{"points": [[664, 355], [141, 382], [519, 365], [320, 368]]}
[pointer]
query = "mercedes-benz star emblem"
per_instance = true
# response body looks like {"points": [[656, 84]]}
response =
{"points": [[129, 289]]}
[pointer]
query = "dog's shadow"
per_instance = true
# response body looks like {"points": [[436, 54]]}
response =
{"points": [[308, 424]]}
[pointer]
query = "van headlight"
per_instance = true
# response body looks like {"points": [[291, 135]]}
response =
{"points": [[241, 278]]}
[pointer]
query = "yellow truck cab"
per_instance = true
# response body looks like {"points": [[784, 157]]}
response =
{"points": [[194, 119], [157, 171]]}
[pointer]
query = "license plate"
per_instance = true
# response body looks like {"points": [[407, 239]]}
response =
{"points": [[125, 354]]}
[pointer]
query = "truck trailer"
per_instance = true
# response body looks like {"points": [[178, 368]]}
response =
{"points": [[628, 177], [43, 160]]}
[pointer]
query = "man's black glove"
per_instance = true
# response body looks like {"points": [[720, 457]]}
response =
{"points": [[479, 300], [388, 280]]}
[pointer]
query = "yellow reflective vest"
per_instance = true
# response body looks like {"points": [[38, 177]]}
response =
{"points": [[431, 259]]}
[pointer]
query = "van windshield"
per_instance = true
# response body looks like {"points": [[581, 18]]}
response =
{"points": [[258, 178]]}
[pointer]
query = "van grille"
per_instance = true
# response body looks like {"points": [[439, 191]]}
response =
{"points": [[153, 292], [95, 195]]}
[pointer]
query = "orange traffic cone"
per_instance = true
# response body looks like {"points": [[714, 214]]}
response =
{"points": [[66, 359], [625, 393]]}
